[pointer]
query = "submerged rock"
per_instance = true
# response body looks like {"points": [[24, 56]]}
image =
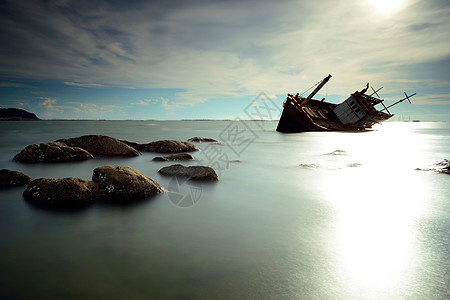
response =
{"points": [[202, 140], [354, 165], [180, 156], [337, 152], [442, 166], [198, 173], [9, 178], [165, 146], [310, 166], [63, 193], [102, 145], [125, 184], [52, 152]]}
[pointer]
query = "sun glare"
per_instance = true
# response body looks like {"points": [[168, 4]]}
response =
{"points": [[386, 6], [376, 207]]}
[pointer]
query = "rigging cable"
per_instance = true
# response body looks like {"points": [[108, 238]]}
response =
{"points": [[311, 87]]}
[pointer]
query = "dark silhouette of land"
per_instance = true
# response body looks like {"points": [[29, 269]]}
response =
{"points": [[15, 114]]}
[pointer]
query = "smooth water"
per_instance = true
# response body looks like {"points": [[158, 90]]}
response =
{"points": [[293, 216]]}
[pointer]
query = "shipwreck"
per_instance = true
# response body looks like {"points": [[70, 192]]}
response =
{"points": [[356, 113]]}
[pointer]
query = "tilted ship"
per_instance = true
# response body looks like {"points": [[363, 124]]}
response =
{"points": [[356, 113]]}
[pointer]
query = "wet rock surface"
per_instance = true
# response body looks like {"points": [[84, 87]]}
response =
{"points": [[180, 156], [337, 152], [197, 173], [165, 146], [52, 152], [85, 147], [63, 193], [442, 166], [202, 140], [102, 145], [124, 184], [10, 178]]}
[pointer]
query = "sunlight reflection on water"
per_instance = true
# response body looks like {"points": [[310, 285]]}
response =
{"points": [[376, 209]]}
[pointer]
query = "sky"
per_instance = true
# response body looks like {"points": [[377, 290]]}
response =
{"points": [[177, 59]]}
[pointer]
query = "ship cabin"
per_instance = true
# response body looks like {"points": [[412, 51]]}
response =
{"points": [[358, 110]]}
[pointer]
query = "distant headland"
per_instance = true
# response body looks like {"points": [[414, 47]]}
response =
{"points": [[15, 114]]}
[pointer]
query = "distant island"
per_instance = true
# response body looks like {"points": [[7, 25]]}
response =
{"points": [[15, 114]]}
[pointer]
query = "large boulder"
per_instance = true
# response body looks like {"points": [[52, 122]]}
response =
{"points": [[63, 193], [197, 173], [119, 183], [179, 156], [165, 146], [52, 152], [10, 178], [101, 145]]}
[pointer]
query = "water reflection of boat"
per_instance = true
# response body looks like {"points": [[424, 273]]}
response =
{"points": [[356, 113]]}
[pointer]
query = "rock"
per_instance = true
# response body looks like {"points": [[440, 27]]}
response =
{"points": [[63, 193], [202, 140], [102, 145], [165, 146], [442, 166], [446, 170], [180, 156], [132, 144], [52, 152], [337, 152], [10, 178], [125, 184], [198, 173]]}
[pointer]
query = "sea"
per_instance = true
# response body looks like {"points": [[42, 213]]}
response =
{"points": [[317, 215]]}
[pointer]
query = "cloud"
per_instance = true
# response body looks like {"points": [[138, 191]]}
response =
{"points": [[439, 99], [88, 85], [49, 104], [16, 85], [21, 103], [91, 109], [216, 48], [83, 110], [165, 103], [147, 102]]}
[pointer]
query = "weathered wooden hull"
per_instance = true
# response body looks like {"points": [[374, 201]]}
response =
{"points": [[356, 113], [291, 122], [315, 116]]}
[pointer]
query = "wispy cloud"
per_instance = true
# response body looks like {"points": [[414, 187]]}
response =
{"points": [[165, 103], [83, 110], [91, 109], [87, 85], [439, 99], [15, 85], [49, 104], [147, 102], [21, 103]]}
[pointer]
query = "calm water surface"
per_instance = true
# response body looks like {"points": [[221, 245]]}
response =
{"points": [[294, 216]]}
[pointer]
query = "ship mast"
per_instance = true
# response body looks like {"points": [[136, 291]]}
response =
{"points": [[321, 84], [399, 101]]}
